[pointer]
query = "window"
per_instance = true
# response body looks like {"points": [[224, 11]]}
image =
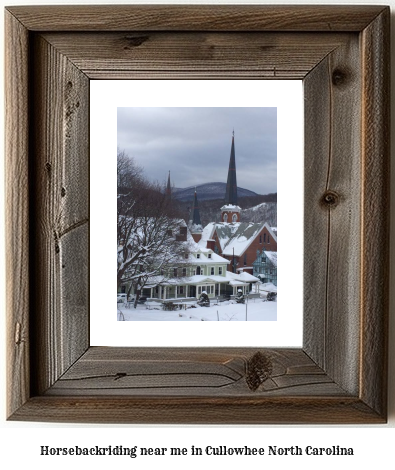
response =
{"points": [[245, 259], [264, 238], [212, 271], [198, 256], [225, 217], [184, 271], [198, 270], [175, 272], [220, 270], [181, 289], [234, 218], [209, 255], [260, 238], [199, 290]]}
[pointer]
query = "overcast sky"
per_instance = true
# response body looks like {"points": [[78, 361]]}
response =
{"points": [[194, 144]]}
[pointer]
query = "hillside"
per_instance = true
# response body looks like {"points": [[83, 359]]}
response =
{"points": [[254, 209], [207, 191], [264, 212]]}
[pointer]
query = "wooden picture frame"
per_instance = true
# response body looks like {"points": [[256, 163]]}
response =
{"points": [[340, 373]]}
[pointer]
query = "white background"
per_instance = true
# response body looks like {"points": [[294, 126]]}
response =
{"points": [[373, 445], [106, 96]]}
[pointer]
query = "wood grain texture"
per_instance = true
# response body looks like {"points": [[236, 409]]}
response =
{"points": [[195, 55], [339, 375], [191, 372], [332, 163], [196, 17], [60, 184], [198, 410], [17, 191], [375, 212]]}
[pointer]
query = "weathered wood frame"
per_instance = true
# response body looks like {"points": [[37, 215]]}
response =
{"points": [[339, 376]]}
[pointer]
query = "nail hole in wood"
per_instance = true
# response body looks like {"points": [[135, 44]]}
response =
{"points": [[48, 167], [63, 192]]}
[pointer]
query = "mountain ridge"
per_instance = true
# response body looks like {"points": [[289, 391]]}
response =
{"points": [[214, 190]]}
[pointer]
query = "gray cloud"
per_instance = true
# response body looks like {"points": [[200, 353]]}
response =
{"points": [[194, 144]]}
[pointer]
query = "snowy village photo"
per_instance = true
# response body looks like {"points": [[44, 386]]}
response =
{"points": [[197, 214]]}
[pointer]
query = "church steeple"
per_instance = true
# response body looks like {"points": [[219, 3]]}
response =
{"points": [[195, 222], [168, 187], [195, 214], [231, 185], [230, 212]]}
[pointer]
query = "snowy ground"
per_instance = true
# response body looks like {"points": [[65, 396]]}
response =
{"points": [[253, 310]]}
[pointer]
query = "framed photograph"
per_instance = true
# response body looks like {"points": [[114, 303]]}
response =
{"points": [[54, 54], [182, 130]]}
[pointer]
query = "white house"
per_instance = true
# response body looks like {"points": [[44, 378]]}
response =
{"points": [[202, 270]]}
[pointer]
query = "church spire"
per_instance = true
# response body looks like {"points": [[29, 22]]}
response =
{"points": [[230, 212], [195, 223], [195, 214], [231, 185], [168, 188]]}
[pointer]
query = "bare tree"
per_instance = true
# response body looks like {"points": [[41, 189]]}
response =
{"points": [[127, 170], [147, 229]]}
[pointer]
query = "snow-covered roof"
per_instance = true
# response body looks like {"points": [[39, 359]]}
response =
{"points": [[196, 228], [234, 282], [224, 231], [237, 236], [272, 255], [198, 278], [231, 278], [204, 258], [273, 232], [230, 207], [246, 277], [207, 234], [242, 238]]}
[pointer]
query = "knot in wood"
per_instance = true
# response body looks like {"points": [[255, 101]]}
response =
{"points": [[339, 77], [135, 41], [330, 199], [259, 369]]}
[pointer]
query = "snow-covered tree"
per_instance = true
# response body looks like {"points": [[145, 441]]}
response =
{"points": [[147, 229]]}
